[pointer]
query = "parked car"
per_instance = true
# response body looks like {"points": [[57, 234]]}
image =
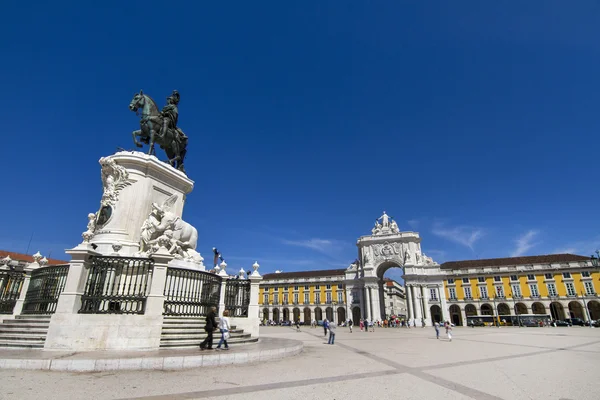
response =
{"points": [[575, 321], [561, 323], [588, 323], [597, 323]]}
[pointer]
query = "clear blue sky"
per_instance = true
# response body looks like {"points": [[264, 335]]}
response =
{"points": [[475, 123]]}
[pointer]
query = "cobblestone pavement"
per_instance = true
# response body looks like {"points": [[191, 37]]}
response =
{"points": [[479, 363]]}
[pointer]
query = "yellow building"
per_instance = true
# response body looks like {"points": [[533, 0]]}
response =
{"points": [[304, 296], [510, 290]]}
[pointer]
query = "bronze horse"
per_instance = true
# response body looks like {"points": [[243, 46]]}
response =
{"points": [[150, 133]]}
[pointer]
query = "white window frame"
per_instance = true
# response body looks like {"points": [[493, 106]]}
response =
{"points": [[266, 298], [328, 297], [589, 288], [452, 293], [295, 298], [483, 292], [433, 294], [534, 290], [516, 291], [500, 291], [551, 289], [306, 298], [340, 296], [570, 289], [468, 294], [317, 298]]}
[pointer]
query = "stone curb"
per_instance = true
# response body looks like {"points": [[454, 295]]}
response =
{"points": [[288, 348]]}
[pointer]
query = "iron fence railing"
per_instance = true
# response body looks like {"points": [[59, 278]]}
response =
{"points": [[45, 287], [117, 285], [237, 297], [191, 293], [11, 283]]}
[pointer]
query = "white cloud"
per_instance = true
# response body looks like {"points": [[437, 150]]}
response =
{"points": [[584, 247], [524, 243], [413, 223], [320, 245], [464, 235]]}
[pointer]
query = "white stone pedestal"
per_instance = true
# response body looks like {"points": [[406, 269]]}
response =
{"points": [[132, 182]]}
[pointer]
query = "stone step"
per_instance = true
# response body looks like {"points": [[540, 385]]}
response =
{"points": [[21, 345], [33, 316], [17, 325], [196, 343], [5, 329], [22, 337], [200, 337], [191, 329]]}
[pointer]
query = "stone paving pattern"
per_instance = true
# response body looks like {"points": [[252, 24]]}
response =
{"points": [[479, 363]]}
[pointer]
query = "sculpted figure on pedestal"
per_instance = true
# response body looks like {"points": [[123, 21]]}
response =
{"points": [[160, 127], [163, 227], [386, 227]]}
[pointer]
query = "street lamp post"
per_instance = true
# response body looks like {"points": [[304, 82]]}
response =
{"points": [[587, 311], [496, 312], [596, 260]]}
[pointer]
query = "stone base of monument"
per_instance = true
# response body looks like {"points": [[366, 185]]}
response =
{"points": [[96, 361]]}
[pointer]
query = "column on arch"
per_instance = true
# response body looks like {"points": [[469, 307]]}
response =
{"points": [[409, 306], [416, 305], [375, 298], [367, 303], [425, 297]]}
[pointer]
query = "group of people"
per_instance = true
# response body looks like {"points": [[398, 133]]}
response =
{"points": [[331, 328], [447, 325], [212, 325]]}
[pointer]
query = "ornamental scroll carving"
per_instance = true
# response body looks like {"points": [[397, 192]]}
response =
{"points": [[114, 179], [387, 251]]}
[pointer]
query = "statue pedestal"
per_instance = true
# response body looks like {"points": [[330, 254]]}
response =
{"points": [[132, 182]]}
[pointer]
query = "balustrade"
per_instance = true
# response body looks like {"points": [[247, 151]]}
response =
{"points": [[11, 283], [45, 286], [190, 293]]}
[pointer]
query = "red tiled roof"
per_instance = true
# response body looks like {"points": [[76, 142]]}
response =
{"points": [[27, 258], [304, 274], [498, 262]]}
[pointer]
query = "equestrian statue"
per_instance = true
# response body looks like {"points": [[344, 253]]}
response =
{"points": [[160, 127]]}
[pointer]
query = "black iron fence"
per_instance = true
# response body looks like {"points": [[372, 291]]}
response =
{"points": [[45, 287], [11, 283], [190, 293], [237, 297], [117, 285]]}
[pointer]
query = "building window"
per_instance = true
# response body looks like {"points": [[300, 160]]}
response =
{"points": [[499, 291], [534, 291], [306, 287], [340, 297], [285, 298], [285, 288], [497, 279], [295, 287], [452, 292], [306, 301], [340, 286], [589, 288], [468, 295], [585, 274], [570, 288], [266, 298], [433, 294], [483, 292], [551, 289], [450, 281], [328, 287], [531, 277], [465, 280], [275, 289], [276, 298], [481, 279], [516, 291], [514, 278], [317, 298], [328, 297], [295, 298], [318, 287], [566, 275], [548, 276]]}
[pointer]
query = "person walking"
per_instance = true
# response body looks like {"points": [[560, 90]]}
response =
{"points": [[325, 327], [211, 325], [298, 325], [436, 325], [449, 330], [224, 327], [332, 329], [362, 324], [350, 325]]}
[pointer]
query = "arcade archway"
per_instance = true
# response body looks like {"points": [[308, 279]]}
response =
{"points": [[538, 308], [341, 315], [470, 310], [503, 309], [265, 314], [307, 319], [455, 315], [436, 313], [276, 315], [286, 314], [486, 309], [594, 308], [296, 313], [576, 310], [387, 292], [329, 314], [520, 309], [318, 314], [557, 311], [356, 316]]}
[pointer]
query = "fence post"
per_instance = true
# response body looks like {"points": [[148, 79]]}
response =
{"points": [[38, 262], [222, 274], [69, 301], [255, 278], [156, 298]]}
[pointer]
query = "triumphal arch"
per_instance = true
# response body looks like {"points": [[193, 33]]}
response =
{"points": [[389, 247]]}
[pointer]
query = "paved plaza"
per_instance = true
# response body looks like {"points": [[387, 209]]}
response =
{"points": [[479, 363]]}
